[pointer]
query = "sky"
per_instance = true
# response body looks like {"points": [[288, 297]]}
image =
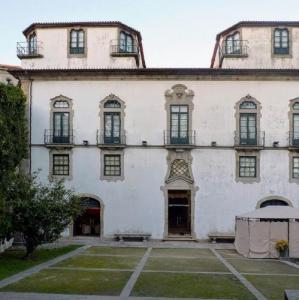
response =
{"points": [[175, 33]]}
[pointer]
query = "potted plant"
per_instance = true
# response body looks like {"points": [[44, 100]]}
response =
{"points": [[282, 247]]}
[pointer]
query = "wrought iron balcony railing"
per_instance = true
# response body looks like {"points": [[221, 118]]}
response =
{"points": [[111, 141], [249, 139], [179, 138], [57, 137], [117, 48], [27, 50], [234, 48], [294, 139]]}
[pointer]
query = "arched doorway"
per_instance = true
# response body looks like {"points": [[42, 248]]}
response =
{"points": [[273, 202], [89, 222]]}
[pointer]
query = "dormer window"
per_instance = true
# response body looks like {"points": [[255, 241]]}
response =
{"points": [[233, 44], [281, 41], [77, 41], [32, 44], [126, 43]]}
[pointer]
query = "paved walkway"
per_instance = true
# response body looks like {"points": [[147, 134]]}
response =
{"points": [[33, 296]]}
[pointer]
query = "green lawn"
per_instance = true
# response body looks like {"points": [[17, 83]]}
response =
{"points": [[116, 251], [11, 261], [273, 286], [229, 253], [101, 262], [183, 264], [190, 286], [70, 282], [262, 266], [182, 252]]}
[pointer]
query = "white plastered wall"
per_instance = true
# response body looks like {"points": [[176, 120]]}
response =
{"points": [[137, 203], [54, 49]]}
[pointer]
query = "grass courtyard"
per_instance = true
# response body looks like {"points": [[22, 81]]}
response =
{"points": [[172, 273], [11, 261]]}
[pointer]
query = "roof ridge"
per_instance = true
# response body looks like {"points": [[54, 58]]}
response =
{"points": [[70, 23]]}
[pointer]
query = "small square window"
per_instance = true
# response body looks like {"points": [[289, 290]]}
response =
{"points": [[247, 166], [112, 165], [61, 164], [295, 167]]}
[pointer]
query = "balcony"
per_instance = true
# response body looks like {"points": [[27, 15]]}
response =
{"points": [[117, 49], [182, 139], [58, 139], [24, 50], [249, 140], [104, 141], [294, 140], [234, 49]]}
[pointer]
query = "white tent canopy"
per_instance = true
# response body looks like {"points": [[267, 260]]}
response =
{"points": [[258, 231]]}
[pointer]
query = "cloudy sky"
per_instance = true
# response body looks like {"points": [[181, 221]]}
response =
{"points": [[176, 33]]}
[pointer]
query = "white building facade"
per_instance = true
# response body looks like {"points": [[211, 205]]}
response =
{"points": [[176, 153]]}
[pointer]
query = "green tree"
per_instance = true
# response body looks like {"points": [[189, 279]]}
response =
{"points": [[41, 211], [13, 146]]}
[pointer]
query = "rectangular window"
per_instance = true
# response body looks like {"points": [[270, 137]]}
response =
{"points": [[248, 134], [179, 124], [281, 41], [77, 41], [61, 125], [247, 166], [295, 167], [296, 129], [112, 166], [61, 164], [112, 128]]}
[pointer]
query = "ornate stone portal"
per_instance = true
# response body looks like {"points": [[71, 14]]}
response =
{"points": [[179, 189]]}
